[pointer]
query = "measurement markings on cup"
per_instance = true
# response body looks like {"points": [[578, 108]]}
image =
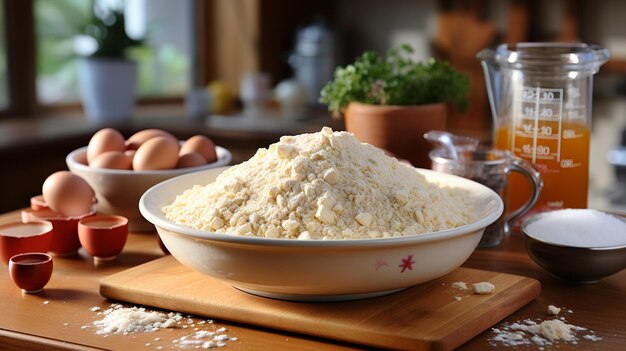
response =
{"points": [[541, 121]]}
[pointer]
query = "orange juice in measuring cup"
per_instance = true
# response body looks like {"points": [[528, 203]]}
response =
{"points": [[540, 96]]}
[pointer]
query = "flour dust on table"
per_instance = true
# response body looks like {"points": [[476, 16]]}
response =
{"points": [[118, 319]]}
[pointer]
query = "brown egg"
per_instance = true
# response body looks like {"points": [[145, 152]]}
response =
{"points": [[202, 145], [137, 139], [192, 159], [130, 153], [112, 160], [156, 153], [67, 194], [107, 139]]}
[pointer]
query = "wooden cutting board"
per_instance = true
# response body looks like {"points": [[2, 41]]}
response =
{"points": [[429, 316]]}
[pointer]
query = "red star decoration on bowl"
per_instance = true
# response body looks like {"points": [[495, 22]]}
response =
{"points": [[407, 263]]}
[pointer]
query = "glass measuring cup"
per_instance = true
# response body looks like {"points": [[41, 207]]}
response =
{"points": [[491, 167], [540, 96]]}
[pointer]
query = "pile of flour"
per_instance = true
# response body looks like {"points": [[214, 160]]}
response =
{"points": [[128, 320], [324, 185]]}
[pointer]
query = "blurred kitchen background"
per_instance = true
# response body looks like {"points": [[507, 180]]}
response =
{"points": [[245, 72]]}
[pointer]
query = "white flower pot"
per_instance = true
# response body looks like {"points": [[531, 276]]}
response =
{"points": [[108, 88]]}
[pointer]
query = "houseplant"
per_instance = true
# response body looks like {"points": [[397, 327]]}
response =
{"points": [[108, 77], [390, 102]]}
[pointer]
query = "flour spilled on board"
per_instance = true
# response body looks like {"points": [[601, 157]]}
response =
{"points": [[541, 333], [118, 319], [481, 288]]}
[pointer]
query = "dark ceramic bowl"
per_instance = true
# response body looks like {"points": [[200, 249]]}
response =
{"points": [[31, 271], [574, 264]]}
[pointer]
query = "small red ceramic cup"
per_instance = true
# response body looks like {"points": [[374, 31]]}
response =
{"points": [[65, 229], [19, 237], [38, 203], [103, 237], [31, 271]]}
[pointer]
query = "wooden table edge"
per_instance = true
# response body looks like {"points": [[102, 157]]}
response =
{"points": [[11, 340]]}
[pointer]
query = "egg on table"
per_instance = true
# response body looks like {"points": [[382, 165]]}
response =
{"points": [[68, 194]]}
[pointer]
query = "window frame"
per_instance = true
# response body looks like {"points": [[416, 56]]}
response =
{"points": [[20, 51]]}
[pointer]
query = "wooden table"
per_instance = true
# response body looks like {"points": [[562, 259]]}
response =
{"points": [[52, 320]]}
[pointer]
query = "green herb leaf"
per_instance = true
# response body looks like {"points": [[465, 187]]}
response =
{"points": [[395, 80], [110, 34]]}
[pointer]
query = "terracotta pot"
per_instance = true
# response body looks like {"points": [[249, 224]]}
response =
{"points": [[397, 129]]}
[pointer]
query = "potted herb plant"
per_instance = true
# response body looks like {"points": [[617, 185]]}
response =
{"points": [[390, 102], [108, 77]]}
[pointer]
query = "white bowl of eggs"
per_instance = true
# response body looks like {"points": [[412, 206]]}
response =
{"points": [[120, 171]]}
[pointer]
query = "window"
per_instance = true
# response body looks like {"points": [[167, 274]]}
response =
{"points": [[57, 24], [164, 60], [4, 88]]}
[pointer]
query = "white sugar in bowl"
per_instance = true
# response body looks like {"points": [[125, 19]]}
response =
{"points": [[577, 245]]}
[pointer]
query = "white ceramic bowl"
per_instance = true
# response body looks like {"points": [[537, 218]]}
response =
{"points": [[317, 270], [118, 191]]}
